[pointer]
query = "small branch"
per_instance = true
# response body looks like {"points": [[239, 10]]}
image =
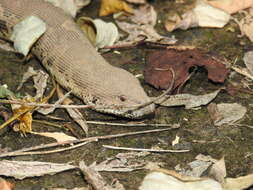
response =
{"points": [[51, 145], [144, 150], [131, 124]]}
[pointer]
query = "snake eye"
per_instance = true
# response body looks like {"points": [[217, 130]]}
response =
{"points": [[122, 98]]}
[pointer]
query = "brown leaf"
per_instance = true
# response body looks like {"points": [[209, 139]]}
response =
{"points": [[113, 6], [159, 65]]}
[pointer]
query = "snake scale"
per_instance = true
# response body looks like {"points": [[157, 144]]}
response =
{"points": [[67, 54]]}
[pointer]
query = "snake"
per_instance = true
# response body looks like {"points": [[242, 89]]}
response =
{"points": [[66, 53]]}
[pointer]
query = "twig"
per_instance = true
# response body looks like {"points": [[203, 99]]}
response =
{"points": [[144, 149], [51, 151], [50, 145], [131, 124], [242, 72]]}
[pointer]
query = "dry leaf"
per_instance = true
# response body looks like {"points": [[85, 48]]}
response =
{"points": [[26, 33], [239, 183], [218, 170], [5, 185], [246, 25], [248, 61], [187, 100], [175, 141], [24, 169], [140, 24], [58, 136], [231, 6], [163, 181], [202, 15], [229, 113], [99, 33], [74, 113], [113, 6]]}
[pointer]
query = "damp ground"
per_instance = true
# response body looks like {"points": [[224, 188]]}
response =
{"points": [[196, 133]]}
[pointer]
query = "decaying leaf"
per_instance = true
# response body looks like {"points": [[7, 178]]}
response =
{"points": [[248, 61], [74, 113], [100, 33], [5, 92], [122, 162], [218, 170], [25, 120], [159, 64], [187, 100], [231, 6], [227, 113], [140, 24], [113, 6], [203, 15], [24, 169], [58, 136], [5, 185], [246, 25], [40, 79], [26, 33]]}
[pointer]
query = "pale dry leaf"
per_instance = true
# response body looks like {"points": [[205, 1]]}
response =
{"points": [[77, 188], [163, 181], [26, 33], [74, 113], [198, 167], [140, 24], [40, 79], [246, 25], [230, 113], [231, 6], [203, 15], [99, 32], [187, 100], [239, 183], [248, 61], [218, 170], [24, 169], [58, 136], [175, 141]]}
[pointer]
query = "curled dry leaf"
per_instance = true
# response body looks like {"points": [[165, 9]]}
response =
{"points": [[218, 170], [159, 64], [137, 1], [100, 33], [113, 6], [26, 33]]}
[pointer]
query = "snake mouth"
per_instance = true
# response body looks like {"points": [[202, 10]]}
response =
{"points": [[130, 112]]}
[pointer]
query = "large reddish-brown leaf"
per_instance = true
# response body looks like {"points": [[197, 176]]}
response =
{"points": [[159, 64]]}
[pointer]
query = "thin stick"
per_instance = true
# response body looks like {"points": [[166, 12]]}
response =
{"points": [[242, 72], [51, 151], [50, 145], [144, 150], [131, 124]]}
